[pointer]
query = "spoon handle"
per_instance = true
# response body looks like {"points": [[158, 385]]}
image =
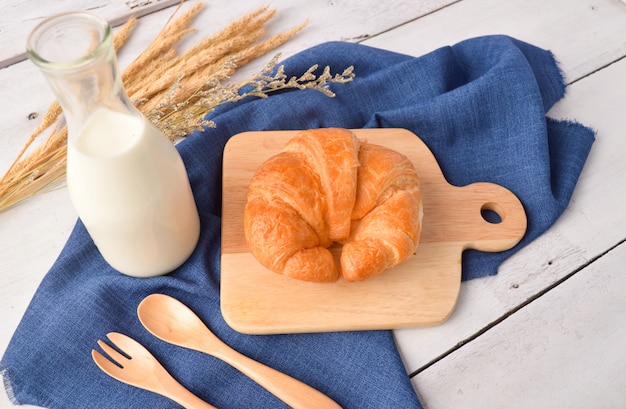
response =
{"points": [[293, 392]]}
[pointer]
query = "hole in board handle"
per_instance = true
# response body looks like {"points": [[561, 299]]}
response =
{"points": [[492, 213]]}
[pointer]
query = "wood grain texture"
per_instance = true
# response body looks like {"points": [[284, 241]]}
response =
{"points": [[421, 291], [557, 352]]}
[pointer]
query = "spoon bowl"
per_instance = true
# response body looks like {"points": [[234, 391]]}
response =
{"points": [[172, 321]]}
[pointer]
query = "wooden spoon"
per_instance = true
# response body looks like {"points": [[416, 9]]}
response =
{"points": [[172, 321]]}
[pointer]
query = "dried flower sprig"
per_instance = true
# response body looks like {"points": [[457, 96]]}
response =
{"points": [[270, 80], [181, 119], [174, 91]]}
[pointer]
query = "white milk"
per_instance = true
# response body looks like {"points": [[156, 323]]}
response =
{"points": [[130, 189]]}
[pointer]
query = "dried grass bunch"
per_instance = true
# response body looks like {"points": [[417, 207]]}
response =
{"points": [[175, 91]]}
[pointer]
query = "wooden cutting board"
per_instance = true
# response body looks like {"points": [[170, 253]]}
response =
{"points": [[422, 291]]}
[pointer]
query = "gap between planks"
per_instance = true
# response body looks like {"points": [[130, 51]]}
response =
{"points": [[139, 10], [511, 312], [597, 69], [365, 37]]}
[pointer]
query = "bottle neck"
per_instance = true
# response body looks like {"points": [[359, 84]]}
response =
{"points": [[75, 53]]}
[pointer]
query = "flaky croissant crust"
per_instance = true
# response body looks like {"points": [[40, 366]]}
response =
{"points": [[325, 187]]}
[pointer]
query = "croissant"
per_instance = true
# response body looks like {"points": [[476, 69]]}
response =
{"points": [[326, 186]]}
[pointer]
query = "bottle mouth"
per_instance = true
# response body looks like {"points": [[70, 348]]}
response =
{"points": [[69, 41]]}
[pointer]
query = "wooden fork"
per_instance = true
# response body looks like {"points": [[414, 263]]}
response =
{"points": [[141, 369]]}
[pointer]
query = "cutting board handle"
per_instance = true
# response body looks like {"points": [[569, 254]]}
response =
{"points": [[497, 219]]}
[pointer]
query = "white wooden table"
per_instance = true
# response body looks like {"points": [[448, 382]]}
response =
{"points": [[547, 331]]}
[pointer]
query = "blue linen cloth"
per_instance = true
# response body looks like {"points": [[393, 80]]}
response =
{"points": [[479, 105]]}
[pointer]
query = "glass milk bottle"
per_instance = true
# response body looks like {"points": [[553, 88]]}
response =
{"points": [[126, 180]]}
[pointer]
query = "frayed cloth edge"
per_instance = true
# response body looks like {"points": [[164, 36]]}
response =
{"points": [[8, 386]]}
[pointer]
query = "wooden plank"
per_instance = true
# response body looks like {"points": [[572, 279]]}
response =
{"points": [[586, 229], [334, 20], [19, 17], [564, 350], [584, 36]]}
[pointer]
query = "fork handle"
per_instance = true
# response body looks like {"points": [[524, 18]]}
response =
{"points": [[181, 395], [293, 392]]}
